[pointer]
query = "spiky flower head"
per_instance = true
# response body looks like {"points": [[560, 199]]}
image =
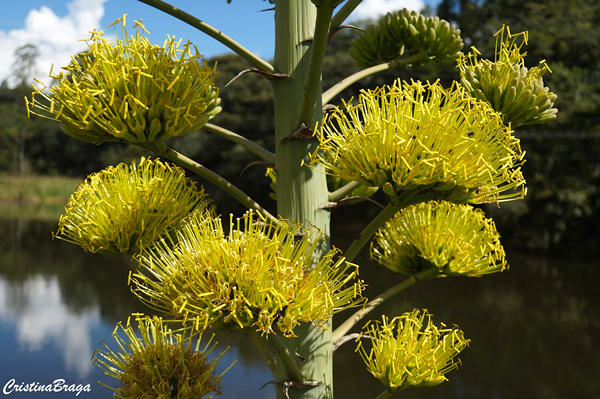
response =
{"points": [[155, 361], [512, 89], [259, 276], [455, 239], [130, 90], [425, 142], [410, 351], [125, 207]]}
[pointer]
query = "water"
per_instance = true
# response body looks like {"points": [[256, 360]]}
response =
{"points": [[533, 329]]}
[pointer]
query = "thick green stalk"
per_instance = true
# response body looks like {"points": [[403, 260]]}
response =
{"points": [[339, 332], [300, 189], [317, 54], [241, 140], [212, 32]]}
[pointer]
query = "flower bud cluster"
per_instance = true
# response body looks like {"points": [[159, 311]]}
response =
{"points": [[407, 33], [512, 89]]}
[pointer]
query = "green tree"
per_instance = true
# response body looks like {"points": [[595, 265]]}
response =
{"points": [[432, 150]]}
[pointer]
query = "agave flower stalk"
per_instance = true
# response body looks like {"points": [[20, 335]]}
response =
{"points": [[258, 277], [413, 140], [457, 240], [130, 90], [124, 208], [156, 361], [410, 351], [507, 84]]}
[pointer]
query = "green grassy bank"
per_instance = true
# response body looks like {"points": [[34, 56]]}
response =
{"points": [[37, 189], [35, 197]]}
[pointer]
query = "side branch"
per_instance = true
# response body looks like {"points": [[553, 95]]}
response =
{"points": [[350, 80], [161, 149], [369, 231], [267, 354], [344, 13], [341, 192], [341, 331], [241, 140], [212, 32], [287, 359], [315, 65]]}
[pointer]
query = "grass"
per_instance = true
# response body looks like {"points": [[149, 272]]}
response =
{"points": [[37, 189]]}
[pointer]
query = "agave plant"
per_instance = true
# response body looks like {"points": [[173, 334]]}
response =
{"points": [[432, 149]]}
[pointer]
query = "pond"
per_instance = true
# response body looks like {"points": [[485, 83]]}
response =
{"points": [[533, 330]]}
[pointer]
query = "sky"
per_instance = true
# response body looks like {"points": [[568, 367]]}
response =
{"points": [[55, 26]]}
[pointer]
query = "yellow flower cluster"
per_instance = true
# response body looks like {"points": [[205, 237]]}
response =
{"points": [[130, 90], [407, 353], [455, 239], [258, 276], [155, 361], [125, 207], [512, 89], [423, 140]]}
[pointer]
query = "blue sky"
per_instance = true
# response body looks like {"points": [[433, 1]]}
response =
{"points": [[56, 25]]}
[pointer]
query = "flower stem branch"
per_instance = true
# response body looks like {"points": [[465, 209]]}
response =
{"points": [[161, 149], [212, 32], [341, 331], [287, 358], [350, 80], [343, 191], [267, 354], [368, 231], [315, 65], [385, 394], [241, 140], [344, 12]]}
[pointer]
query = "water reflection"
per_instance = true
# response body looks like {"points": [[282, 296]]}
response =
{"points": [[40, 318], [533, 329]]}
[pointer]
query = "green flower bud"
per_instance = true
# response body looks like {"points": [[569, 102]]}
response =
{"points": [[431, 36], [407, 353], [406, 33], [113, 91], [373, 47], [513, 90], [455, 239]]}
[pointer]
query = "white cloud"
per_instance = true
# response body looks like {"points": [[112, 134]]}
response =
{"points": [[56, 37], [375, 8], [41, 319]]}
